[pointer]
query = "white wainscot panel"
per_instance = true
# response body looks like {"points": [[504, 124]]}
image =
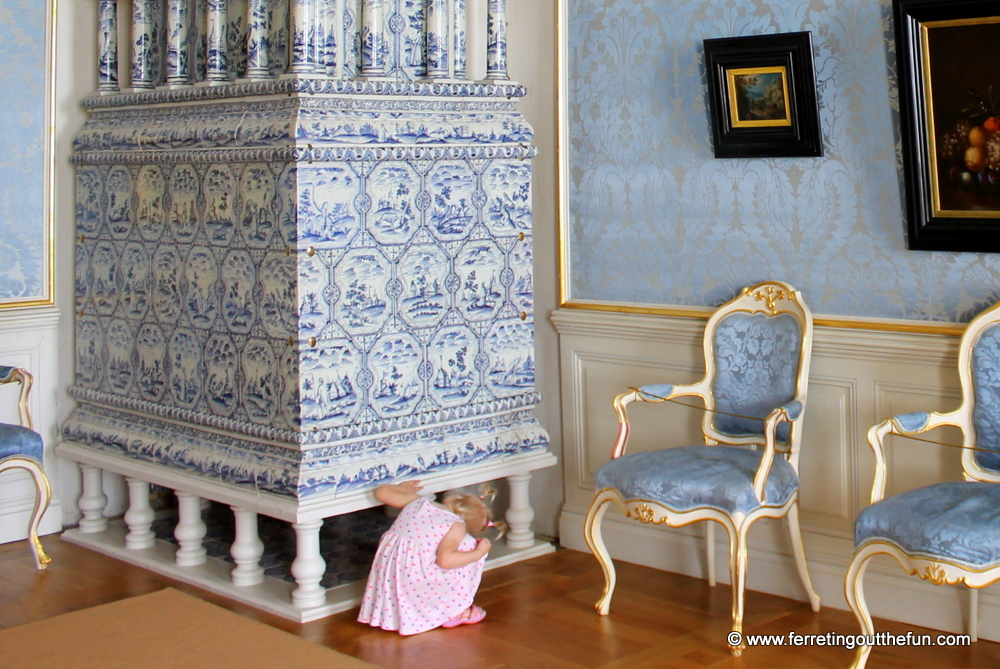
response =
{"points": [[827, 461]]}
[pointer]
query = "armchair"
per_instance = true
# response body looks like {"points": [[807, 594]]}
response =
{"points": [[945, 533], [757, 352], [21, 448]]}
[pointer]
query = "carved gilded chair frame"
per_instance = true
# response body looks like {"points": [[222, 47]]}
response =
{"points": [[936, 571], [772, 299], [44, 490]]}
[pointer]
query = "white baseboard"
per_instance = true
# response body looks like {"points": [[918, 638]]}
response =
{"points": [[890, 592]]}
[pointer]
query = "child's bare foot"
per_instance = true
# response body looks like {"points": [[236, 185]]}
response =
{"points": [[470, 616]]}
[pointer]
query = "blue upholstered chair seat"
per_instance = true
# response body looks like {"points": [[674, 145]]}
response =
{"points": [[957, 521], [692, 477], [17, 440]]}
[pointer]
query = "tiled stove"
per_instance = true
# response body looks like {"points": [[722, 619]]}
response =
{"points": [[303, 269]]}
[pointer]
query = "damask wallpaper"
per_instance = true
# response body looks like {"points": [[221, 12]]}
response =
{"points": [[654, 218], [22, 147]]}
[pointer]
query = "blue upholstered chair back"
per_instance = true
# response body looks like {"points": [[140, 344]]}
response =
{"points": [[757, 359], [985, 364]]}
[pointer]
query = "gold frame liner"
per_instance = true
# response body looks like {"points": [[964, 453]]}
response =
{"points": [[731, 75]]}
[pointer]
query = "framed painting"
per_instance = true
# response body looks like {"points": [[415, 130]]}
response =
{"points": [[762, 96], [950, 122]]}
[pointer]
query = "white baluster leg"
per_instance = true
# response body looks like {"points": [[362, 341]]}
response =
{"points": [[92, 501], [190, 531], [974, 614], [247, 549], [139, 516], [308, 567], [519, 513]]}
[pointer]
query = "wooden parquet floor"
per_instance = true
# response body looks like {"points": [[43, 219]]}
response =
{"points": [[540, 614]]}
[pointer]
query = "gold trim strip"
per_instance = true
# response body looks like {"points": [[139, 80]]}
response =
{"points": [[914, 327]]}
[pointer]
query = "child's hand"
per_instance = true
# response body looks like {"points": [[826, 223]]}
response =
{"points": [[483, 545], [412, 487]]}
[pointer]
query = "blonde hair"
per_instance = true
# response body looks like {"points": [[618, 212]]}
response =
{"points": [[471, 509]]}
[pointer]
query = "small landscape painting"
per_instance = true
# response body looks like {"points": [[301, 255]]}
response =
{"points": [[759, 97]]}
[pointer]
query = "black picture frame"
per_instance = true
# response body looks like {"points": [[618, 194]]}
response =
{"points": [[951, 166], [781, 116]]}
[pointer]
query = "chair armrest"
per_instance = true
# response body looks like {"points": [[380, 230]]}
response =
{"points": [[904, 424], [661, 392], [790, 412], [658, 392], [18, 375]]}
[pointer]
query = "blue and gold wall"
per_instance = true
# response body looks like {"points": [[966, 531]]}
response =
{"points": [[23, 238], [654, 218]]}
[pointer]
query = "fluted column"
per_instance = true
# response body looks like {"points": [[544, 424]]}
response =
{"points": [[258, 40], [142, 44], [179, 25], [190, 531], [348, 55], [92, 501], [308, 566], [246, 549], [372, 36], [139, 516], [496, 40], [438, 39], [459, 44], [302, 38], [218, 32], [107, 46], [519, 513]]}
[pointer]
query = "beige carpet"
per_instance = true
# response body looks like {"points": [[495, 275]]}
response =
{"points": [[161, 630]]}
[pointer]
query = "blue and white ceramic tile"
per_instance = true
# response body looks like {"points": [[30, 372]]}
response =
{"points": [[184, 353], [453, 353], [120, 344], [151, 377], [392, 188], [479, 266], [423, 275], [258, 191], [363, 277], [167, 270], [259, 394], [135, 281], [238, 282], [221, 364], [184, 215], [508, 189], [451, 194], [329, 391], [394, 361], [327, 214]]}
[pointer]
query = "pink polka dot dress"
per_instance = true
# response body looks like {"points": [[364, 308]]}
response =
{"points": [[407, 591]]}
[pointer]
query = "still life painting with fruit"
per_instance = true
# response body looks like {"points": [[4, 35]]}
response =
{"points": [[965, 108]]}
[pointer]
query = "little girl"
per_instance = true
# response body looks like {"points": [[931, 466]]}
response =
{"points": [[427, 568]]}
